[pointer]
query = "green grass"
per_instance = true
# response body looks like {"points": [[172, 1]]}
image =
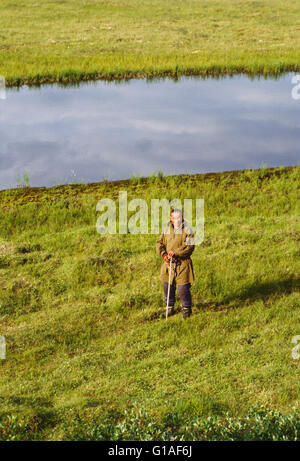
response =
{"points": [[79, 314], [71, 40], [259, 424]]}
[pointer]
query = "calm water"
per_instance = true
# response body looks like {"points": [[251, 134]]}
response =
{"points": [[101, 130]]}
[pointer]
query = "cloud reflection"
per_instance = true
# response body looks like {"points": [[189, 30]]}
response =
{"points": [[113, 131]]}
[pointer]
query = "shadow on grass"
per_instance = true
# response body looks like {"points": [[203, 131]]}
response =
{"points": [[256, 291], [266, 290]]}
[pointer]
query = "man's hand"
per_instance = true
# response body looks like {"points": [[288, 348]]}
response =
{"points": [[168, 256], [165, 257]]}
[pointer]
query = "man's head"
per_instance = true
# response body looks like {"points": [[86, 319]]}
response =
{"points": [[176, 218]]}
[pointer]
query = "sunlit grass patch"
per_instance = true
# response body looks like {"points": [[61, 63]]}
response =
{"points": [[74, 41], [80, 312]]}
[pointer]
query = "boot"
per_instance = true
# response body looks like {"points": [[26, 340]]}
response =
{"points": [[171, 311], [186, 312]]}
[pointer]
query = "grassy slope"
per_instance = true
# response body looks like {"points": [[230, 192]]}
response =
{"points": [[78, 309], [68, 40]]}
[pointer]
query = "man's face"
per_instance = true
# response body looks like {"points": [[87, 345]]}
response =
{"points": [[176, 219]]}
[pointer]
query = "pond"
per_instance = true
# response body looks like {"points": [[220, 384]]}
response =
{"points": [[100, 130]]}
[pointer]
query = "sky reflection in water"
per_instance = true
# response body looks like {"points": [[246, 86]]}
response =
{"points": [[102, 130]]}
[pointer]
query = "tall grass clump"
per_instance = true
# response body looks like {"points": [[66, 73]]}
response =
{"points": [[259, 424]]}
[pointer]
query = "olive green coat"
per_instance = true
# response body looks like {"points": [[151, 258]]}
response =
{"points": [[177, 241]]}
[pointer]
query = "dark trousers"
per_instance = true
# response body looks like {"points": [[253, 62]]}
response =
{"points": [[183, 291]]}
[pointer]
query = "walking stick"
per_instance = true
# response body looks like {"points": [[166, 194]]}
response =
{"points": [[170, 270]]}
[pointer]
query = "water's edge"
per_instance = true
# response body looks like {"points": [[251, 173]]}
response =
{"points": [[73, 78], [266, 172]]}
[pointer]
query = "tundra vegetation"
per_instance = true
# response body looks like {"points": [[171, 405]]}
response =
{"points": [[69, 41], [87, 356]]}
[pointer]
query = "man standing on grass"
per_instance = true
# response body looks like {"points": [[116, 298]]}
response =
{"points": [[176, 242]]}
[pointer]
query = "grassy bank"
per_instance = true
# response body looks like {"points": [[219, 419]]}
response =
{"points": [[69, 41], [79, 313]]}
